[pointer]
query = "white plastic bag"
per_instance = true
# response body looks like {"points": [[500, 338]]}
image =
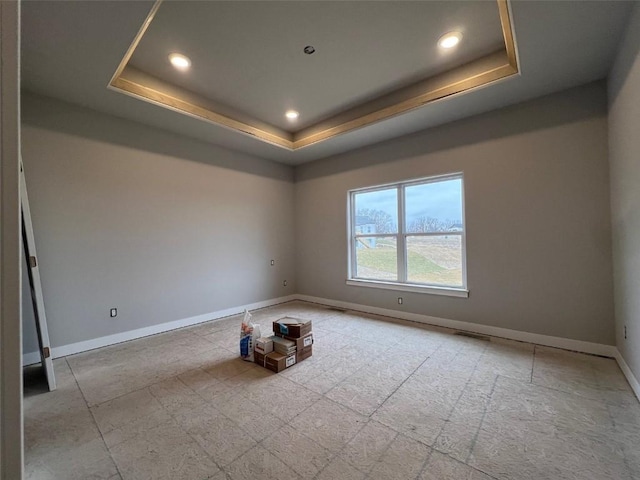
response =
{"points": [[249, 333]]}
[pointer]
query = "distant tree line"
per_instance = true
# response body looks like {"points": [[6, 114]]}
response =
{"points": [[384, 223], [430, 224]]}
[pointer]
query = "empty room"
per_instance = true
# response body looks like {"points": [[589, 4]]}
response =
{"points": [[332, 240]]}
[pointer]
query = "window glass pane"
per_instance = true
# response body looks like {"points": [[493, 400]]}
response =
{"points": [[436, 260], [376, 212], [376, 258], [434, 207]]}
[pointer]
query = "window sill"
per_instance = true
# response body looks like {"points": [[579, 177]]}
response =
{"points": [[405, 287]]}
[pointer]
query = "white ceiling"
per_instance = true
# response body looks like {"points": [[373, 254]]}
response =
{"points": [[71, 50]]}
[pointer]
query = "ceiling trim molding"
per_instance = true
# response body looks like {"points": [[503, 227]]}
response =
{"points": [[295, 141], [474, 81], [177, 104], [507, 31], [135, 42]]}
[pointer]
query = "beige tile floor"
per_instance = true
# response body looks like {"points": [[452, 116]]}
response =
{"points": [[379, 399]]}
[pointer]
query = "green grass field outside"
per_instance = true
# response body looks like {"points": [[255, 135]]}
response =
{"points": [[430, 260]]}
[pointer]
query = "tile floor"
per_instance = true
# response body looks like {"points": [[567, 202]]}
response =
{"points": [[379, 399]]}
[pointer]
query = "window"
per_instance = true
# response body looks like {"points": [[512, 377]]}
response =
{"points": [[409, 236]]}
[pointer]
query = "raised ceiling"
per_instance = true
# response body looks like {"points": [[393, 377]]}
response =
{"points": [[70, 51], [370, 61]]}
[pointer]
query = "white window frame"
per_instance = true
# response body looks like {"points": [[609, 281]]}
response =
{"points": [[401, 240]]}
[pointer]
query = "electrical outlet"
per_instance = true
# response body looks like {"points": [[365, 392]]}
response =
{"points": [[284, 284], [273, 262], [399, 300], [113, 312], [625, 332]]}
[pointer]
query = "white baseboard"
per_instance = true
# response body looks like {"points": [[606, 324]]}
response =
{"points": [[64, 350], [538, 339], [30, 358], [546, 340], [558, 342], [631, 378]]}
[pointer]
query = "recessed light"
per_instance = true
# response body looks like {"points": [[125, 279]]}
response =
{"points": [[292, 115], [179, 61], [450, 40]]}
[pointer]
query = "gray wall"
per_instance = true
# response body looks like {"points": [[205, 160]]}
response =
{"points": [[164, 228], [537, 216], [624, 157], [157, 225]]}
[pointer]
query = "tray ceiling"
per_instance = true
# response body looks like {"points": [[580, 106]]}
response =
{"points": [[372, 61]]}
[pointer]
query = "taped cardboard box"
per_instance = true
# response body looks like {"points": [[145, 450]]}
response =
{"points": [[259, 358], [304, 353], [291, 327], [276, 362]]}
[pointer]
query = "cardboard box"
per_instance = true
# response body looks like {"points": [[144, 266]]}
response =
{"points": [[277, 362], [284, 346], [264, 345], [302, 342], [259, 358], [291, 327], [304, 353]]}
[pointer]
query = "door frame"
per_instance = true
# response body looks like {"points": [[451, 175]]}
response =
{"points": [[11, 431]]}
